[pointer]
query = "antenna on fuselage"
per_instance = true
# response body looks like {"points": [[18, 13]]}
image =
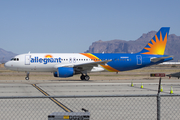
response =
{"points": [[29, 52]]}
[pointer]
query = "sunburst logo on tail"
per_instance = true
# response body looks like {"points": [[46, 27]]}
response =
{"points": [[156, 46]]}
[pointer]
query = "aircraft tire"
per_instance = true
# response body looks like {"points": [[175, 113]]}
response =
{"points": [[86, 78], [82, 77], [26, 78]]}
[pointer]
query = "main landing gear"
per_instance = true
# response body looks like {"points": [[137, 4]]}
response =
{"points": [[85, 77], [27, 76]]}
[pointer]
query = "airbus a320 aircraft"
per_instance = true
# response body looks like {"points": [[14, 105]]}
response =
{"points": [[69, 64]]}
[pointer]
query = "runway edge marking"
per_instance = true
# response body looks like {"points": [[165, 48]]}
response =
{"points": [[53, 99]]}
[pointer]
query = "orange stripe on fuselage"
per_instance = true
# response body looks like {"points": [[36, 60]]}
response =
{"points": [[109, 68], [94, 58], [91, 56]]}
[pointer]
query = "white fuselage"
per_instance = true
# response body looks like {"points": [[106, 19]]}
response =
{"points": [[48, 62]]}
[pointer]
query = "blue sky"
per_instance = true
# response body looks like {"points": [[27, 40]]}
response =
{"points": [[71, 26]]}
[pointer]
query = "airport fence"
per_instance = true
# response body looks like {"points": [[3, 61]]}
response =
{"points": [[101, 107]]}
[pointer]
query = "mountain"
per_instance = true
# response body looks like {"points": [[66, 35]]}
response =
{"points": [[134, 46], [5, 55], [120, 46]]}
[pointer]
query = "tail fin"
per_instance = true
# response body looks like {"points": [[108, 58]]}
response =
{"points": [[157, 44]]}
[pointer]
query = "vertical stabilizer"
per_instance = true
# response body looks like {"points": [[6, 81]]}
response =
{"points": [[157, 44]]}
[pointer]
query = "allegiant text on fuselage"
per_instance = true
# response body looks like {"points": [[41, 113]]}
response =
{"points": [[45, 60]]}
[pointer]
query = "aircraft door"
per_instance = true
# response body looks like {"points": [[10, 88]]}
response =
{"points": [[27, 59], [139, 59]]}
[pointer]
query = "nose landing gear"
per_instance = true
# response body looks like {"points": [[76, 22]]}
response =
{"points": [[27, 76]]}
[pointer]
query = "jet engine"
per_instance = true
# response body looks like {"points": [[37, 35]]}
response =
{"points": [[64, 72]]}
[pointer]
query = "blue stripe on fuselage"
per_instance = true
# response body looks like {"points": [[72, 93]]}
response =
{"points": [[123, 62]]}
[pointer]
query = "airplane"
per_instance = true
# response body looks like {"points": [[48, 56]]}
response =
{"points": [[174, 75], [69, 64]]}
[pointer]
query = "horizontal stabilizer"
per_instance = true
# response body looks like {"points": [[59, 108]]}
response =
{"points": [[162, 58]]}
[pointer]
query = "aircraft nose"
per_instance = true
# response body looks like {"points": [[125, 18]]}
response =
{"points": [[7, 65]]}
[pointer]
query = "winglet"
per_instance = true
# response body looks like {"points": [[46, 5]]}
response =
{"points": [[157, 44]]}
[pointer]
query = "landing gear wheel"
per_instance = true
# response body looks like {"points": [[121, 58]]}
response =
{"points": [[82, 77], [85, 77], [27, 78]]}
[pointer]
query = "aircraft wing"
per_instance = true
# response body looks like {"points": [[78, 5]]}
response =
{"points": [[84, 66], [89, 66], [161, 58]]}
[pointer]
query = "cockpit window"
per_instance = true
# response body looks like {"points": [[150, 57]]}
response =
{"points": [[15, 59]]}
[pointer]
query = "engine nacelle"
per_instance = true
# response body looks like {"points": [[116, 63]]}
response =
{"points": [[64, 72]]}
